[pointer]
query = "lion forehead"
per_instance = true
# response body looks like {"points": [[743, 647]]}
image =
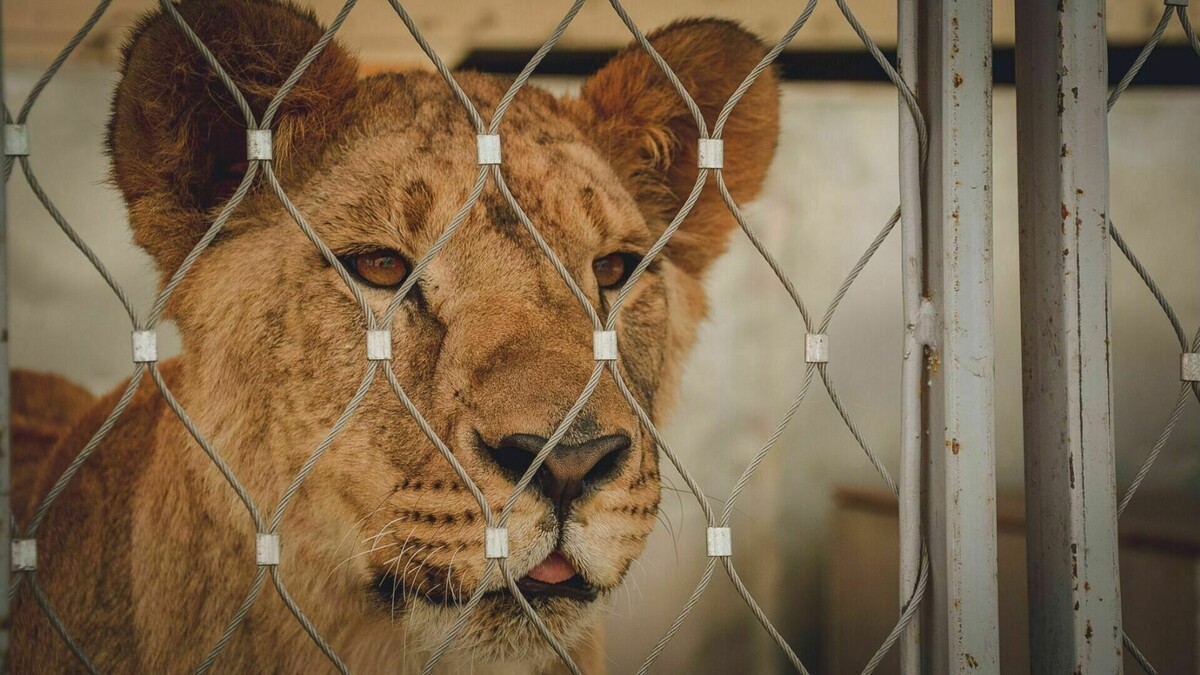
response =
{"points": [[410, 166]]}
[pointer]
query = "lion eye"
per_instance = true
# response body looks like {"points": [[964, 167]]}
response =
{"points": [[613, 269], [382, 267]]}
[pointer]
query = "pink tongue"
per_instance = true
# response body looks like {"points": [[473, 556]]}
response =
{"points": [[555, 569]]}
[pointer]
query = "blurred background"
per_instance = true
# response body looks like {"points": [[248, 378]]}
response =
{"points": [[816, 531]]}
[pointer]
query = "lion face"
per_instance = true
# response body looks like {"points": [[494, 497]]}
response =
{"points": [[491, 346]]}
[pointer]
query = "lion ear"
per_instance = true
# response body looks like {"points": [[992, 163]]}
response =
{"points": [[176, 137], [643, 127]]}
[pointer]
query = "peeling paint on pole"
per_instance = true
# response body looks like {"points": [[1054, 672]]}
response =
{"points": [[1074, 591], [956, 94]]}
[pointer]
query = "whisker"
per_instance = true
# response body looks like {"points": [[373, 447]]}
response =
{"points": [[395, 584], [450, 574], [357, 526], [420, 565]]}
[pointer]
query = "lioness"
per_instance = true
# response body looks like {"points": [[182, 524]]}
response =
{"points": [[149, 553]]}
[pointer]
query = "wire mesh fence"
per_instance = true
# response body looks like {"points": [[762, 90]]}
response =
{"points": [[491, 168], [1189, 369], [491, 174]]}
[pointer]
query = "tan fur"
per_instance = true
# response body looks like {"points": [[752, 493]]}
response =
{"points": [[44, 407], [148, 553]]}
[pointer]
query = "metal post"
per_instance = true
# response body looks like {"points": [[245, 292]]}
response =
{"points": [[917, 336], [1074, 588], [954, 55], [5, 414]]}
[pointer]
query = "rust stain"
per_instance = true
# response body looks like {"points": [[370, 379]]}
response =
{"points": [[954, 446], [958, 80], [1066, 213], [971, 661], [1087, 633]]}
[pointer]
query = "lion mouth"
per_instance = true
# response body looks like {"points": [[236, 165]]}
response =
{"points": [[576, 588], [554, 577]]}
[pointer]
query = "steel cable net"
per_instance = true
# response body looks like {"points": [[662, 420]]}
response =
{"points": [[267, 524], [1189, 352]]}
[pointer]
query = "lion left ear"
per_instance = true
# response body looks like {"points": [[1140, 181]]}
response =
{"points": [[176, 137], [642, 126]]}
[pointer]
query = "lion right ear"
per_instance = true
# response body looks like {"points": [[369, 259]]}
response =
{"points": [[176, 137], [640, 124]]}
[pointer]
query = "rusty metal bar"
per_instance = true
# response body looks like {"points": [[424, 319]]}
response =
{"points": [[954, 42], [5, 414], [1074, 589]]}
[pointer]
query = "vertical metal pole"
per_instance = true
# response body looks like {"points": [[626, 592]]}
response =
{"points": [[5, 411], [1070, 489], [954, 53], [917, 334]]}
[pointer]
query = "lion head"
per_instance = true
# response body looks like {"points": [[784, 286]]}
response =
{"points": [[490, 345]]}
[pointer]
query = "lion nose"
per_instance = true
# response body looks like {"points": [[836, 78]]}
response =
{"points": [[569, 470]]}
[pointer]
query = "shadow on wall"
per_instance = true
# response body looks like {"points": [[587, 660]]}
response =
{"points": [[833, 186]]}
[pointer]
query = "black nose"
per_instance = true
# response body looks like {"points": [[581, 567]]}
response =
{"points": [[569, 470]]}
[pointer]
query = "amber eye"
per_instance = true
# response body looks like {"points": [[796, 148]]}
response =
{"points": [[382, 267], [613, 269]]}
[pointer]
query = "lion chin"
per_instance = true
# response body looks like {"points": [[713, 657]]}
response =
{"points": [[148, 556], [502, 633]]}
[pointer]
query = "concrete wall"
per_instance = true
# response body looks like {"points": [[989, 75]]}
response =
{"points": [[831, 188]]}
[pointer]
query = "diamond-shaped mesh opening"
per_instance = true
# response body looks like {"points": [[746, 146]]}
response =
{"points": [[1187, 389]]}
